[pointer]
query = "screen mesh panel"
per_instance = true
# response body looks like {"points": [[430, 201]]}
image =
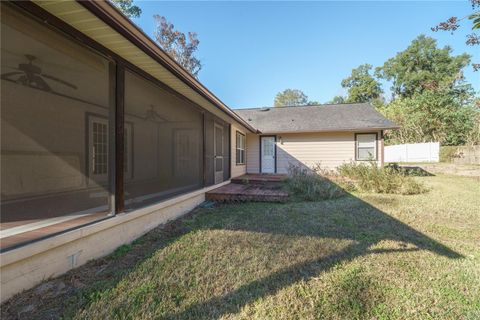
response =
{"points": [[55, 115], [167, 143]]}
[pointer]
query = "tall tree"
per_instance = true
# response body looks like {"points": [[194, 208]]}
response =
{"points": [[128, 8], [290, 97], [473, 136], [179, 46], [431, 116], [424, 66], [361, 85], [453, 23], [337, 100]]}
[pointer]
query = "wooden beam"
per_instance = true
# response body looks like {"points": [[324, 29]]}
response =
{"points": [[119, 140]]}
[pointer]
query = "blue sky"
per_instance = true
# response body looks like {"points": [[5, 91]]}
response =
{"points": [[252, 50]]}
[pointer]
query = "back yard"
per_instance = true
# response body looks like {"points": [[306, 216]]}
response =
{"points": [[359, 256]]}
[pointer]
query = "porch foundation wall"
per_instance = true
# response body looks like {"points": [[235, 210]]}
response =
{"points": [[27, 266]]}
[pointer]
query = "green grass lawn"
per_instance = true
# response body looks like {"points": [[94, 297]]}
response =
{"points": [[362, 256]]}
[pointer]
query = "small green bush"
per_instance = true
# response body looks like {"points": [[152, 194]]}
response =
{"points": [[408, 171], [310, 186], [447, 153], [372, 178]]}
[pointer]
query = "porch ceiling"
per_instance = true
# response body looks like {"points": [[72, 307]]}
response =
{"points": [[163, 68]]}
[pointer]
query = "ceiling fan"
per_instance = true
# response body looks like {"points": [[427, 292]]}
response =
{"points": [[152, 114], [31, 75]]}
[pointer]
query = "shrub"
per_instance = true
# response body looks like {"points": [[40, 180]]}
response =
{"points": [[447, 153], [311, 186], [372, 178], [408, 171]]}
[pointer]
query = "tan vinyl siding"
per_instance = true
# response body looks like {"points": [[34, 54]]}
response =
{"points": [[308, 149], [237, 170], [253, 156], [329, 149]]}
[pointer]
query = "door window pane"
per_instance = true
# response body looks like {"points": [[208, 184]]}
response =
{"points": [[218, 141], [219, 165], [99, 147], [54, 131], [267, 146]]}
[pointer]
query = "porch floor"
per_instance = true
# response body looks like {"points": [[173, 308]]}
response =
{"points": [[259, 178], [251, 187], [35, 233]]}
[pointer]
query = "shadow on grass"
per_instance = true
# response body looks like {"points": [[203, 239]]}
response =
{"points": [[358, 221], [64, 296], [347, 218]]}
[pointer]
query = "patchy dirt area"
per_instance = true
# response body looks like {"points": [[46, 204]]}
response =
{"points": [[466, 170], [51, 299]]}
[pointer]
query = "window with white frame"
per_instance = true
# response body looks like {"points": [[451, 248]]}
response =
{"points": [[366, 146], [98, 148], [240, 147]]}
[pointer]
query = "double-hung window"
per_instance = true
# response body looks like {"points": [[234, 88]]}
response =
{"points": [[240, 147], [366, 146]]}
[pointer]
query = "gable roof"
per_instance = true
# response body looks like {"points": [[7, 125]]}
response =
{"points": [[318, 118]]}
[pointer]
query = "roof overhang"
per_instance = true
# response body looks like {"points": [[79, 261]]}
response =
{"points": [[106, 25], [333, 130]]}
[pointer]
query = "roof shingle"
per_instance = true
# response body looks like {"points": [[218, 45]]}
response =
{"points": [[318, 118]]}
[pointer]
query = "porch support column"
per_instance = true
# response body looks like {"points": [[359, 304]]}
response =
{"points": [[119, 140]]}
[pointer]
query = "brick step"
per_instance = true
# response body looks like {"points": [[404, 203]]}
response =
{"points": [[259, 179], [245, 193]]}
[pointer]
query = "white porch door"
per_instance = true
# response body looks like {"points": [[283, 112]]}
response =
{"points": [[268, 154], [218, 151], [98, 149]]}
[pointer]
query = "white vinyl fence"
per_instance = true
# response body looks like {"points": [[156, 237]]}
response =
{"points": [[413, 152]]}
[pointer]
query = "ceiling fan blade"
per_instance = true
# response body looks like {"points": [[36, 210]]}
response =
{"points": [[39, 60], [159, 116], [14, 68], [9, 74], [41, 84], [68, 84]]}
